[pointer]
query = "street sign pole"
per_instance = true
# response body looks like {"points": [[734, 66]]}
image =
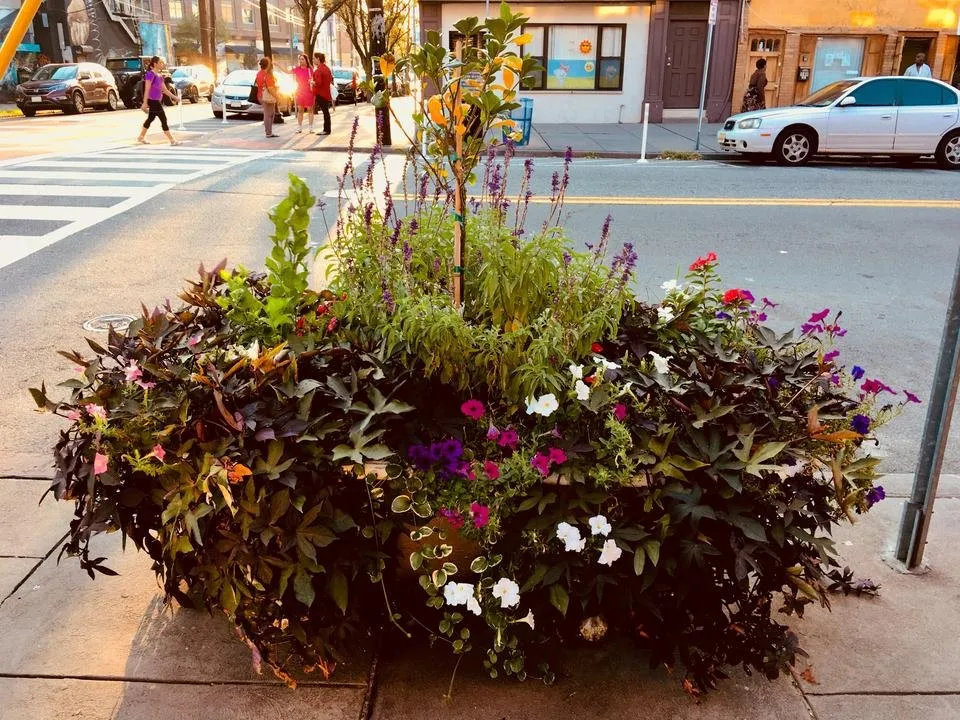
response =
{"points": [[918, 511], [712, 21]]}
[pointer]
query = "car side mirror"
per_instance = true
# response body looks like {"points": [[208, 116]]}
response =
{"points": [[848, 101]]}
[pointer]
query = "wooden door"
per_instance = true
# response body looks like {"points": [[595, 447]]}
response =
{"points": [[686, 49], [769, 47]]}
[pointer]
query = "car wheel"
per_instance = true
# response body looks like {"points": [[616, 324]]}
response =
{"points": [[948, 154], [76, 103], [795, 147], [112, 101], [218, 115], [28, 112]]}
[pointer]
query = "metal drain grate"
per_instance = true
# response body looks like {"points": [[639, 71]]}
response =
{"points": [[100, 323]]}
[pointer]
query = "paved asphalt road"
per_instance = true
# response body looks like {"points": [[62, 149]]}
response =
{"points": [[885, 257]]}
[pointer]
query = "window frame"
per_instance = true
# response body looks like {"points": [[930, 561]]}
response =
{"points": [[243, 21], [227, 4], [180, 5], [544, 57]]}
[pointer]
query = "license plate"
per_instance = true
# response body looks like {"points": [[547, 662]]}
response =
{"points": [[234, 105], [36, 98], [721, 136]]}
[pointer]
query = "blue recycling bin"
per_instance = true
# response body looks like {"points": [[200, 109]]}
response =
{"points": [[523, 116]]}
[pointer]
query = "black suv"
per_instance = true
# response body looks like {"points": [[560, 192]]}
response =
{"points": [[129, 72]]}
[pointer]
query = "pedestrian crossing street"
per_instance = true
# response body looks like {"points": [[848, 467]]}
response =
{"points": [[46, 199]]}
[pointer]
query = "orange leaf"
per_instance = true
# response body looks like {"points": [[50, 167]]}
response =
{"points": [[513, 62], [435, 110], [238, 472], [522, 40], [808, 675], [509, 78], [839, 436]]}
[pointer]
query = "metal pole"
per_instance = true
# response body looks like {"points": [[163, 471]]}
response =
{"points": [[21, 23], [643, 137], [180, 103], [918, 511], [703, 85]]}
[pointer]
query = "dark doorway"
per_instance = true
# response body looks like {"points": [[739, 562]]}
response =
{"points": [[912, 46], [686, 49]]}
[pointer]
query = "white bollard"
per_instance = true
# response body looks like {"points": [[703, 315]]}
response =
{"points": [[180, 103], [643, 137], [223, 104]]}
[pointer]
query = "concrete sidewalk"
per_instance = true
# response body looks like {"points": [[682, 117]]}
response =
{"points": [[110, 648]]}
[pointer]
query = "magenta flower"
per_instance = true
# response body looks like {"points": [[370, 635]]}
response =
{"points": [[508, 438], [493, 433], [73, 415], [159, 453], [911, 397], [556, 455], [768, 303], [810, 328], [96, 411], [819, 316], [100, 463], [491, 469], [133, 371], [473, 409], [875, 387], [541, 463], [620, 411], [481, 515], [831, 356], [453, 517]]}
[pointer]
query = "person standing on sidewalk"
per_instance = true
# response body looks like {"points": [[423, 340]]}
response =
{"points": [[755, 98], [153, 91], [322, 80], [267, 95], [303, 74]]}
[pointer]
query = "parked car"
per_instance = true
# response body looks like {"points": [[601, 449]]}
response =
{"points": [[129, 73], [193, 81], [905, 117], [347, 81], [69, 87], [232, 96]]}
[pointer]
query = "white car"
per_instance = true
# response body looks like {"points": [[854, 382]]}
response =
{"points": [[232, 95], [905, 117]]}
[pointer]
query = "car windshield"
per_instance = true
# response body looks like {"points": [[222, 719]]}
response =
{"points": [[829, 94], [123, 64], [181, 73], [343, 74], [56, 72], [241, 77]]}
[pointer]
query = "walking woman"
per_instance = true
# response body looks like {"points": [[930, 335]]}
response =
{"points": [[153, 91], [304, 76], [755, 98], [267, 94]]}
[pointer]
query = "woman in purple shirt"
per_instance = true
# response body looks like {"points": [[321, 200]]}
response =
{"points": [[153, 91]]}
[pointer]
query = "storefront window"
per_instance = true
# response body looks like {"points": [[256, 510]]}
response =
{"points": [[837, 58], [176, 9], [247, 15], [226, 11], [577, 57]]}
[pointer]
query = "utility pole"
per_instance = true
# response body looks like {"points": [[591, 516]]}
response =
{"points": [[378, 47], [202, 12], [210, 49], [265, 29]]}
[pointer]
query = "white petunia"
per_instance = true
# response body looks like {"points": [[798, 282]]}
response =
{"points": [[253, 352], [660, 363], [599, 525], [583, 390], [605, 364], [544, 405], [665, 314], [576, 371], [609, 553], [671, 285], [507, 591], [461, 594], [528, 620], [473, 606], [571, 537]]}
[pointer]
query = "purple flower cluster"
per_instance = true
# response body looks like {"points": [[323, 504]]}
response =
{"points": [[623, 264], [447, 454], [875, 495]]}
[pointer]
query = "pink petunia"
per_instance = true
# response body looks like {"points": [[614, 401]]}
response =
{"points": [[159, 453], [73, 415], [193, 340], [133, 371], [557, 456], [96, 411], [146, 385], [473, 409], [540, 463], [620, 411], [819, 316], [491, 469], [493, 433], [508, 438], [100, 463], [481, 515]]}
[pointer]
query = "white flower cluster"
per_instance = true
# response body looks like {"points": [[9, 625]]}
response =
{"points": [[461, 594], [599, 525], [581, 388], [508, 592], [544, 405], [660, 363]]}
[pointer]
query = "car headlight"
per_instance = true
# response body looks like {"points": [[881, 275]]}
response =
{"points": [[749, 124]]}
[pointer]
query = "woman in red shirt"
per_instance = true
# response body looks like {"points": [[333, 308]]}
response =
{"points": [[322, 80], [267, 94]]}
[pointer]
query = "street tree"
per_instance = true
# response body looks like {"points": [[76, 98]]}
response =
{"points": [[186, 35], [356, 21], [314, 13]]}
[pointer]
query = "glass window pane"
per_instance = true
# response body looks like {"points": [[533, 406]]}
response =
{"points": [[877, 93], [571, 57], [610, 74], [837, 58], [535, 46], [226, 10], [949, 97], [610, 41], [247, 14], [919, 92]]}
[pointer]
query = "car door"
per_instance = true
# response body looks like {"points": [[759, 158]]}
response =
{"points": [[869, 123], [927, 110]]}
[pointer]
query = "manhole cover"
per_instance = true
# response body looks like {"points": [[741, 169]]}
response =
{"points": [[100, 323]]}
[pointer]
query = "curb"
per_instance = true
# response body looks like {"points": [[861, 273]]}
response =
{"points": [[538, 152]]}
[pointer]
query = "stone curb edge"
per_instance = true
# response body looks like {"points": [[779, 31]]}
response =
{"points": [[535, 152]]}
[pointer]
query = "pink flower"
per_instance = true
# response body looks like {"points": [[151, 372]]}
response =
{"points": [[620, 411], [473, 409], [481, 514], [100, 463], [193, 340], [453, 517], [831, 356], [819, 316], [133, 371], [73, 415], [541, 463], [96, 411], [159, 453], [146, 385], [493, 433], [911, 397], [491, 469], [558, 456], [509, 438]]}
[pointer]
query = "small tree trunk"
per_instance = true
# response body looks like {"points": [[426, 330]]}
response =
{"points": [[459, 193]]}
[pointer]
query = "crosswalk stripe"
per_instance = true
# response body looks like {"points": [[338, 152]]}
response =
{"points": [[120, 191], [54, 175], [119, 164], [51, 212]]}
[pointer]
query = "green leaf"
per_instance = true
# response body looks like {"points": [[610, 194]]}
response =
{"points": [[478, 565], [559, 598], [401, 504], [416, 560], [337, 588], [228, 597], [449, 568], [639, 558], [303, 587], [652, 547]]}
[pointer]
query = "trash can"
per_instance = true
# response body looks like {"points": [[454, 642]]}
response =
{"points": [[523, 116]]}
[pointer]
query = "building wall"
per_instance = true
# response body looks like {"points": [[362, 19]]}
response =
{"points": [[579, 106], [882, 27]]}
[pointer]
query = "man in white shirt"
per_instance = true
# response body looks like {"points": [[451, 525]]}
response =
{"points": [[919, 68]]}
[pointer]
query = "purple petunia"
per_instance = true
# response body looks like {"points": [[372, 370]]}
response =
{"points": [[508, 438], [861, 424], [875, 495], [831, 356], [857, 372]]}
